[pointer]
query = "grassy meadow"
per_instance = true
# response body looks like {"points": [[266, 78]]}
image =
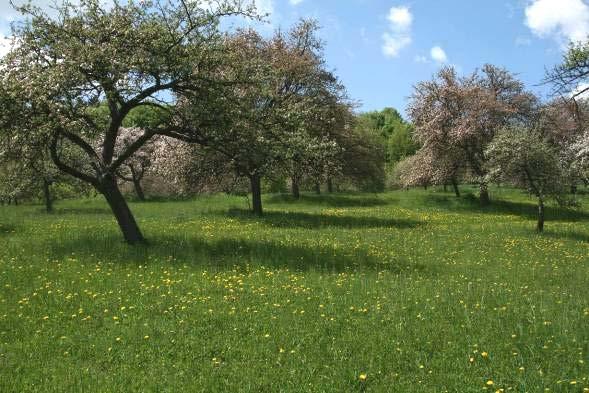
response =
{"points": [[408, 291]]}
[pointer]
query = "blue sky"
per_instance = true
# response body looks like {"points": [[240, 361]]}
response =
{"points": [[524, 36], [381, 48]]}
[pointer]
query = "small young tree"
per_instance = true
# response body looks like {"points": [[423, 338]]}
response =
{"points": [[522, 157]]}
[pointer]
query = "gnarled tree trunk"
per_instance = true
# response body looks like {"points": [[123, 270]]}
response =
{"points": [[129, 228]]}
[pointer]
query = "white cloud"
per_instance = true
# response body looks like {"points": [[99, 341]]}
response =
{"points": [[399, 36], [393, 44], [438, 55], [565, 20], [295, 2], [400, 18]]}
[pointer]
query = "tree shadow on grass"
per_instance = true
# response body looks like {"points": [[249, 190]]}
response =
{"points": [[226, 253], [469, 203], [82, 210], [332, 200], [7, 229], [569, 235], [280, 219]]}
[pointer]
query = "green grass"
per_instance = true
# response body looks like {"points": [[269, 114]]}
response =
{"points": [[417, 290]]}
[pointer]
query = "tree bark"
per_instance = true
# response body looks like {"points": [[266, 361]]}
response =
{"points": [[484, 194], [137, 184], [139, 190], [456, 189], [329, 185], [127, 224], [574, 189], [540, 226], [47, 196], [296, 192], [256, 185], [318, 188], [445, 187]]}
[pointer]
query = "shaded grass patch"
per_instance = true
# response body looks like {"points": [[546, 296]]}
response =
{"points": [[280, 219]]}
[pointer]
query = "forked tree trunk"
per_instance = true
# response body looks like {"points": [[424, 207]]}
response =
{"points": [[296, 192], [47, 196], [127, 224], [484, 194], [256, 185], [456, 189], [540, 226]]}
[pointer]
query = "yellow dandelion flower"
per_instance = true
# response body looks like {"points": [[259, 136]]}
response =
{"points": [[362, 377]]}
